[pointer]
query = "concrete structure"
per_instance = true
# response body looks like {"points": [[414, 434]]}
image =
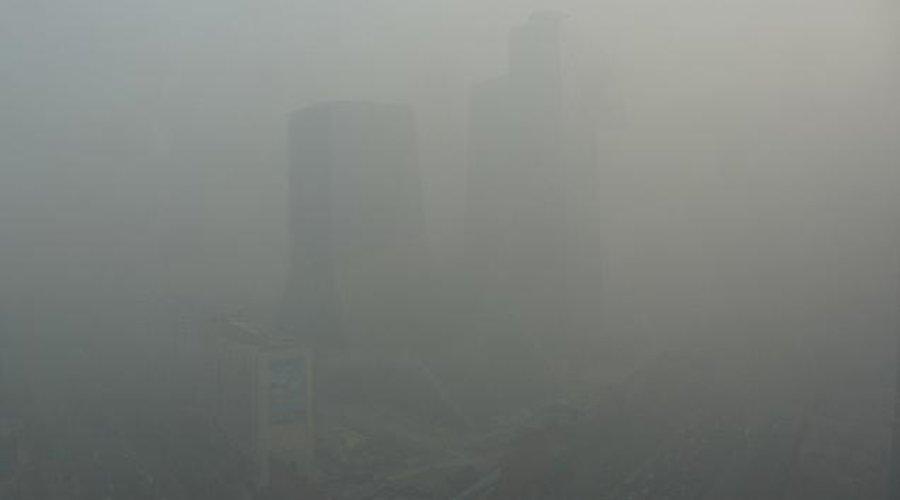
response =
{"points": [[356, 249], [532, 229], [262, 395], [516, 225], [356, 222]]}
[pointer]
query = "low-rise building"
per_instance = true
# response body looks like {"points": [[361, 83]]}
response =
{"points": [[261, 397]]}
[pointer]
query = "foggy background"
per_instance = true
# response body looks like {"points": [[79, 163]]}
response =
{"points": [[746, 167], [746, 184]]}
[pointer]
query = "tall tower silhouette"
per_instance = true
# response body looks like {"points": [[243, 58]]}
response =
{"points": [[356, 221], [515, 220]]}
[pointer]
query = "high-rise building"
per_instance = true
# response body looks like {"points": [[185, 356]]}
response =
{"points": [[356, 221], [530, 243], [516, 206]]}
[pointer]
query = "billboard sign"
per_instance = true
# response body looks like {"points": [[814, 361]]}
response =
{"points": [[287, 390]]}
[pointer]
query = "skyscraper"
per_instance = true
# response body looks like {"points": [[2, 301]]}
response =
{"points": [[356, 220], [516, 213], [531, 235]]}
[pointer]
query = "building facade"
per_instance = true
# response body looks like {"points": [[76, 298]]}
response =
{"points": [[261, 396], [531, 244], [516, 224], [356, 222]]}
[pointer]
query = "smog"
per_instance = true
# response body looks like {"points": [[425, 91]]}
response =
{"points": [[545, 249]]}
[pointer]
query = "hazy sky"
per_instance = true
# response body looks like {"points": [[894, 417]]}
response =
{"points": [[747, 158]]}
